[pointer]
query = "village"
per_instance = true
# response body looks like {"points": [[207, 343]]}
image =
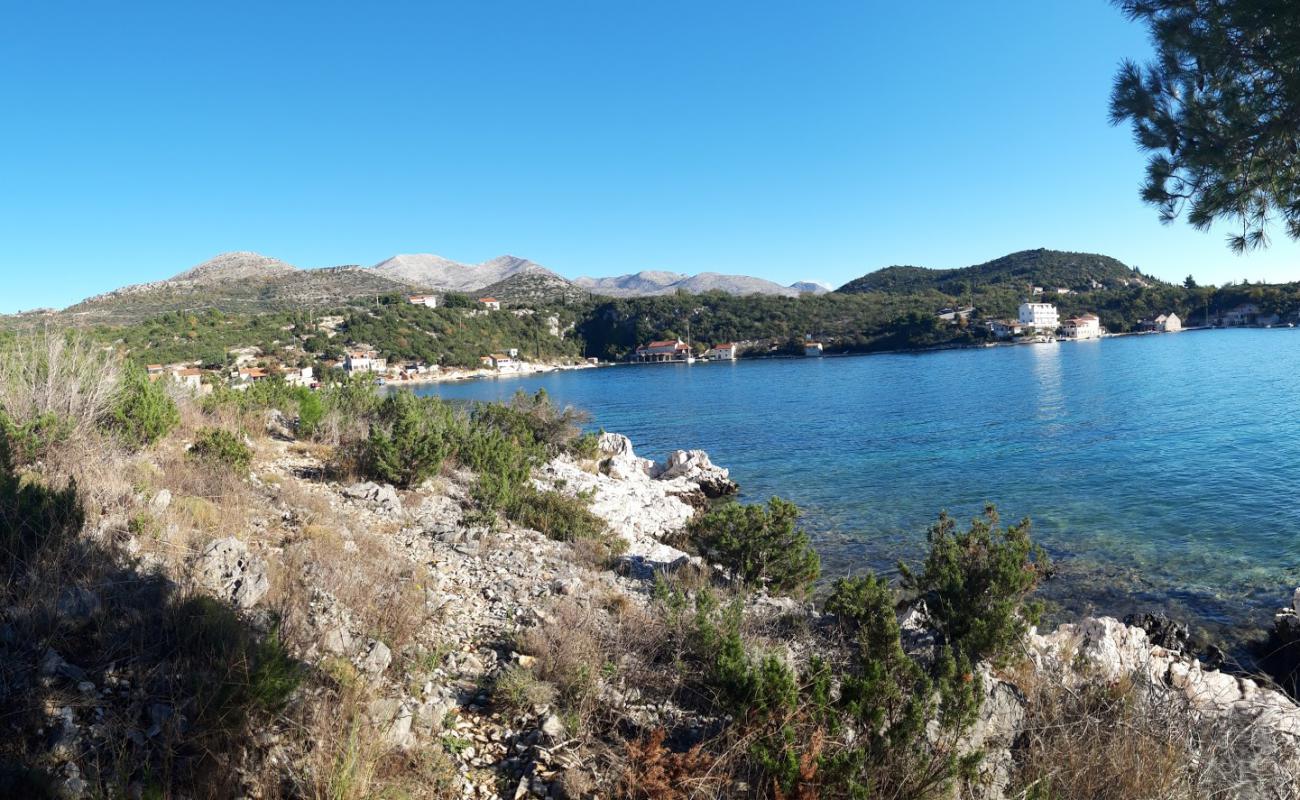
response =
{"points": [[1036, 322], [251, 365]]}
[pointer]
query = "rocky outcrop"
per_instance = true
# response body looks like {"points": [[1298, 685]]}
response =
{"points": [[695, 467], [640, 501], [1260, 726], [232, 573], [1282, 649]]}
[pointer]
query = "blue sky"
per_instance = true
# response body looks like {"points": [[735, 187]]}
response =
{"points": [[786, 140]]}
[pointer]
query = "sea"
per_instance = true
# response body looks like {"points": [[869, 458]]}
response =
{"points": [[1160, 472]]}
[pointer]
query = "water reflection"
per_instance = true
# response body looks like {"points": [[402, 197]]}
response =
{"points": [[1048, 389]]}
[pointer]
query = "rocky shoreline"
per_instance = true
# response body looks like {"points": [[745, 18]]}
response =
{"points": [[476, 591]]}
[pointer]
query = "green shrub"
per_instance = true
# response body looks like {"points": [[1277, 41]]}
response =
{"points": [[142, 412], [35, 439], [502, 464], [409, 439], [558, 516], [311, 411], [220, 448], [976, 583], [534, 421], [759, 545], [517, 690]]}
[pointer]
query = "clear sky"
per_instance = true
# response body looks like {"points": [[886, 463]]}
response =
{"points": [[789, 140]]}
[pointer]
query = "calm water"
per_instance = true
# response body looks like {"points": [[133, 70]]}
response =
{"points": [[1159, 471]]}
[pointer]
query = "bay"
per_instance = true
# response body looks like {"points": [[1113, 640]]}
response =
{"points": [[1160, 472]]}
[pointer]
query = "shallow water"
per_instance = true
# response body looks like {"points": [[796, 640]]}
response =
{"points": [[1159, 471]]}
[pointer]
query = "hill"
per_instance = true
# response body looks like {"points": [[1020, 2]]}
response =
{"points": [[234, 283], [534, 288], [1047, 268]]}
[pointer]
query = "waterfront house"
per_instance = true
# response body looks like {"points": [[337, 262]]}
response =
{"points": [[428, 300], [721, 352], [1243, 314], [1005, 328], [362, 361], [499, 361], [490, 303], [812, 349], [1039, 316], [1084, 326], [666, 350], [1164, 323]]}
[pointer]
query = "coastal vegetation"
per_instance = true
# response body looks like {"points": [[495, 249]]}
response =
{"points": [[892, 309], [214, 609]]}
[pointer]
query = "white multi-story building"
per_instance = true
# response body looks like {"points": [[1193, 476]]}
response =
{"points": [[1039, 316]]}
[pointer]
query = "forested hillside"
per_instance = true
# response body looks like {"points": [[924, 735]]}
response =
{"points": [[1046, 268]]}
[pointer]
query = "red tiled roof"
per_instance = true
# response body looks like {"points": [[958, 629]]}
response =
{"points": [[487, 300]]}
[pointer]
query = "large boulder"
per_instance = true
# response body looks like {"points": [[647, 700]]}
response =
{"points": [[230, 571], [619, 462]]}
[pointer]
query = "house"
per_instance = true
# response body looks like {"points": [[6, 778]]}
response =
{"points": [[721, 352], [154, 371], [188, 377], [298, 377], [954, 315], [1039, 316], [360, 361], [812, 349], [1243, 314], [1084, 326], [1063, 290], [498, 361], [490, 303], [667, 350], [1165, 323], [252, 375], [429, 300], [1005, 328]]}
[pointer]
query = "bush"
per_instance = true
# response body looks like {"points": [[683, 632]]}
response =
{"points": [[975, 585], [409, 439], [220, 448], [759, 545], [502, 464], [558, 516], [35, 439], [533, 421], [142, 412]]}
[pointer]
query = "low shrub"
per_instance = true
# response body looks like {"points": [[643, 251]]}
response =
{"points": [[759, 545], [36, 439], [558, 516], [976, 583], [410, 437], [219, 448], [517, 690], [502, 465], [142, 411]]}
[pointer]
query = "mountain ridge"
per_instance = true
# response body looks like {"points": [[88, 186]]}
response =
{"points": [[1022, 269]]}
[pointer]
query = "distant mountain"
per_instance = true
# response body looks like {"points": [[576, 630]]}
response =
{"points": [[810, 286], [435, 272], [645, 283], [235, 282], [1046, 268], [641, 283]]}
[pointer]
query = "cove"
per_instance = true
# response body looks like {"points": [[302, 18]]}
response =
{"points": [[1160, 471]]}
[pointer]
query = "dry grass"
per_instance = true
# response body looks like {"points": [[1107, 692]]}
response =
{"points": [[57, 372], [1132, 741]]}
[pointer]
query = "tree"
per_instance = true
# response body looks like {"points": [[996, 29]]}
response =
{"points": [[1219, 110], [1189, 282]]}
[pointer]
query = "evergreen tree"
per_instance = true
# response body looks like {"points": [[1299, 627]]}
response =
{"points": [[1219, 110]]}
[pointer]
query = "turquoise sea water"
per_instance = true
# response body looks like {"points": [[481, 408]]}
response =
{"points": [[1159, 471]]}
